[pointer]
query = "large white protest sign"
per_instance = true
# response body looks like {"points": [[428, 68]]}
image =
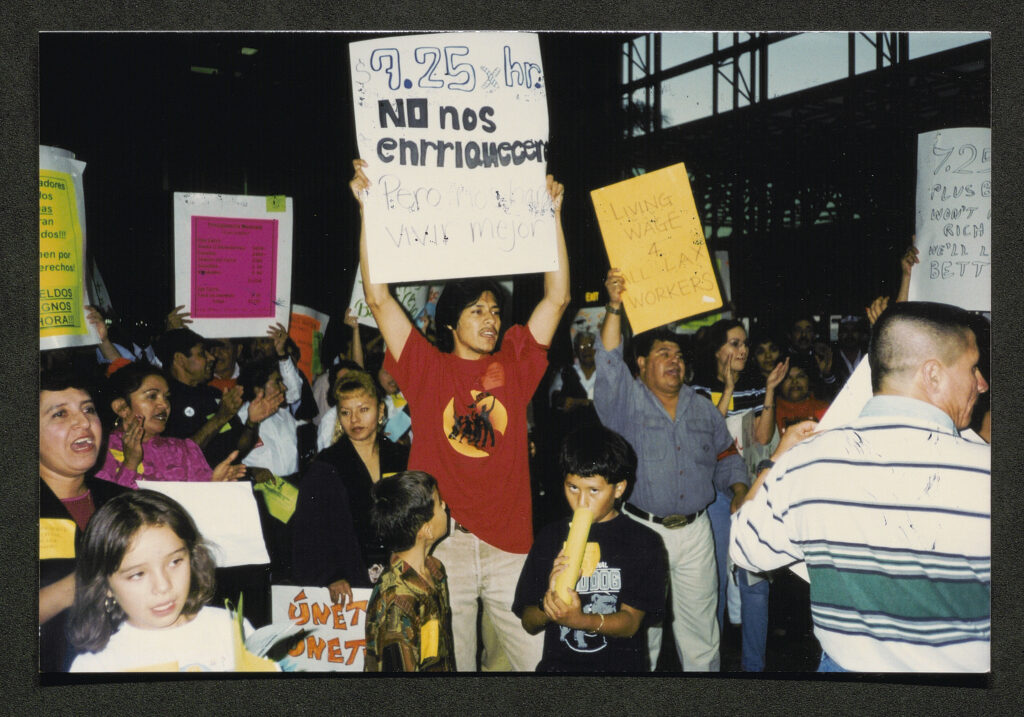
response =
{"points": [[62, 290], [954, 218], [233, 262], [336, 640], [454, 128], [225, 514]]}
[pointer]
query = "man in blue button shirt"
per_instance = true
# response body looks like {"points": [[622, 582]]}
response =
{"points": [[685, 454]]}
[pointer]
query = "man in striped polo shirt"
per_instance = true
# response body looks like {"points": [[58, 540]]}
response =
{"points": [[892, 512]]}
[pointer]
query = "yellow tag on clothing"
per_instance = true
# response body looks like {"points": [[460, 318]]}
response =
{"points": [[428, 639], [56, 538], [119, 457], [280, 496]]}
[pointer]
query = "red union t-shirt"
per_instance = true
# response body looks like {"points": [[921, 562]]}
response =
{"points": [[469, 423]]}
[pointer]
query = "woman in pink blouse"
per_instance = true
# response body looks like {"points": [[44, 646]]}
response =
{"points": [[140, 399]]}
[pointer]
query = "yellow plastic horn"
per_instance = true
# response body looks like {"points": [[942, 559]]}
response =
{"points": [[575, 544]]}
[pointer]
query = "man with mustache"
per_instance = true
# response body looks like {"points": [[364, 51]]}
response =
{"points": [[685, 453]]}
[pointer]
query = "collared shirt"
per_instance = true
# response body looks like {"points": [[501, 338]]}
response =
{"points": [[679, 466], [892, 515], [408, 622]]}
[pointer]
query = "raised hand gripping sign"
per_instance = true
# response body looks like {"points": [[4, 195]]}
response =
{"points": [[954, 218], [454, 129]]}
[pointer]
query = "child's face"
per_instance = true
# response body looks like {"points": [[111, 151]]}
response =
{"points": [[154, 578], [595, 493]]}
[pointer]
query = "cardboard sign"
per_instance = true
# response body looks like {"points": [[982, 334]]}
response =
{"points": [[954, 218], [306, 329], [694, 325], [652, 232], [233, 263], [338, 640], [454, 128], [62, 267], [225, 514]]}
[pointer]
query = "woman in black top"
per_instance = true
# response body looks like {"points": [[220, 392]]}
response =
{"points": [[333, 543]]}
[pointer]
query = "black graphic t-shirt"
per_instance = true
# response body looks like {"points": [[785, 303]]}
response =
{"points": [[631, 570]]}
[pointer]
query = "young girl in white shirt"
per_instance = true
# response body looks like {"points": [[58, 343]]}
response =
{"points": [[143, 579]]}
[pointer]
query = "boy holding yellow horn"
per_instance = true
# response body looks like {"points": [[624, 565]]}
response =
{"points": [[590, 584]]}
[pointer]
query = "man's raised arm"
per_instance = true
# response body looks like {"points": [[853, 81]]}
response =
{"points": [[545, 317], [391, 318]]}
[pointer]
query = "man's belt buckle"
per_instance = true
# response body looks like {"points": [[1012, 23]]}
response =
{"points": [[675, 521]]}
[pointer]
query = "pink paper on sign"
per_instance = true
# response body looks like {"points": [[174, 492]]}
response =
{"points": [[234, 267]]}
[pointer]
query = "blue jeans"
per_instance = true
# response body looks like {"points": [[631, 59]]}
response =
{"points": [[828, 664], [754, 598]]}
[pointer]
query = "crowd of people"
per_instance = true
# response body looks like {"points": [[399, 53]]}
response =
{"points": [[439, 465]]}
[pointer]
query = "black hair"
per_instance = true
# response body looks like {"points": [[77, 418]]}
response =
{"points": [[402, 504], [595, 450], [255, 374], [713, 339], [110, 534], [643, 342], [332, 377], [456, 298], [63, 378], [946, 327], [123, 383], [176, 341]]}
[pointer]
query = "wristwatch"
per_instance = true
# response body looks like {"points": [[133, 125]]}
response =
{"points": [[764, 465], [613, 310]]}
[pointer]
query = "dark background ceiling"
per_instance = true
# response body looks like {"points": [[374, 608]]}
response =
{"points": [[279, 122]]}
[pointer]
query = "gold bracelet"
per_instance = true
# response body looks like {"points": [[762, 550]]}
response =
{"points": [[598, 630]]}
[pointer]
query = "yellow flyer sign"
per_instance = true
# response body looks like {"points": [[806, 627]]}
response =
{"points": [[60, 257], [62, 267], [652, 231]]}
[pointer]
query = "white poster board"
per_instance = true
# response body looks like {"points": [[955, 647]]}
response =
{"points": [[954, 218], [62, 267], [454, 128], [233, 262], [337, 642], [225, 514]]}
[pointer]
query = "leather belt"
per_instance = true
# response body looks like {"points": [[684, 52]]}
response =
{"points": [[676, 520]]}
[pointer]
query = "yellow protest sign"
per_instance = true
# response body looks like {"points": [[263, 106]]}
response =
{"points": [[56, 538], [60, 257], [280, 496], [652, 232]]}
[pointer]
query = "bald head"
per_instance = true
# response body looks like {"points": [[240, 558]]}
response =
{"points": [[910, 333]]}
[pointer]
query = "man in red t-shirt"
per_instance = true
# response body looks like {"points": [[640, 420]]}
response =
{"points": [[468, 406]]}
